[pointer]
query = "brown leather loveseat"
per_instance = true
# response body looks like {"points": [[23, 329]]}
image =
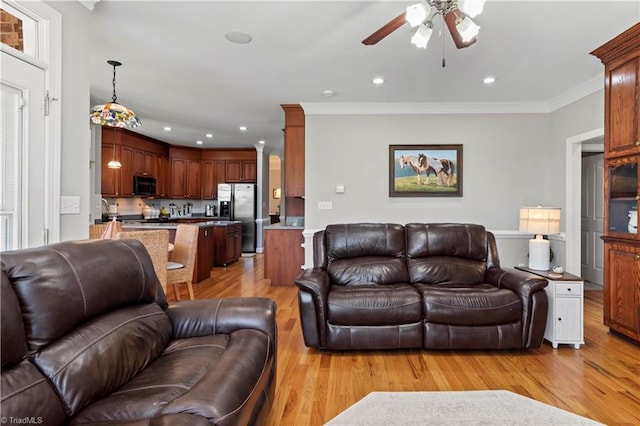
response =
{"points": [[88, 338], [434, 286]]}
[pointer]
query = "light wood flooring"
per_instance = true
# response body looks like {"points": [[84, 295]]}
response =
{"points": [[601, 380]]}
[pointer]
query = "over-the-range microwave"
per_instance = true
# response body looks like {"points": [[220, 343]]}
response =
{"points": [[144, 186]]}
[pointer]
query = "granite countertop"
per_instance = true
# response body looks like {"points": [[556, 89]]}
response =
{"points": [[174, 225]]}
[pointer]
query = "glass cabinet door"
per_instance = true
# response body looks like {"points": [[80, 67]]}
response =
{"points": [[623, 197]]}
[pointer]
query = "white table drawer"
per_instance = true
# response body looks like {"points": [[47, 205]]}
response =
{"points": [[568, 288]]}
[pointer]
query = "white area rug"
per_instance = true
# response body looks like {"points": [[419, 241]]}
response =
{"points": [[454, 408]]}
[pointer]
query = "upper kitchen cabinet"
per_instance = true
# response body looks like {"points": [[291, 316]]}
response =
{"points": [[294, 123], [621, 59], [185, 174], [139, 156], [241, 166]]}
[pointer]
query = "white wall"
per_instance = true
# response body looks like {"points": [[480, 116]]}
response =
{"points": [[76, 134], [509, 160]]}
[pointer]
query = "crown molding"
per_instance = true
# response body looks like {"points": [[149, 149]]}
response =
{"points": [[89, 4], [585, 89], [399, 108]]}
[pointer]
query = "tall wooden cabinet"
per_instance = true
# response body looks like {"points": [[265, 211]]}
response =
{"points": [[294, 135], [621, 59]]}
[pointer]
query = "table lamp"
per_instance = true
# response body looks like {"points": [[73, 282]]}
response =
{"points": [[539, 221]]}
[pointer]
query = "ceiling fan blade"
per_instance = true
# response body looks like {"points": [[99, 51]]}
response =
{"points": [[385, 30], [451, 20]]}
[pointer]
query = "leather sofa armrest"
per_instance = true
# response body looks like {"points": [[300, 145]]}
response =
{"points": [[520, 282], [313, 292], [530, 289], [315, 281], [194, 318]]}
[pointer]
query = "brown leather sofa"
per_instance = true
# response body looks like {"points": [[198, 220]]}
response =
{"points": [[88, 338], [434, 286]]}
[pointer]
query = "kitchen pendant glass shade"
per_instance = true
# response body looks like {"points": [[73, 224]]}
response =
{"points": [[114, 164], [422, 36], [471, 8], [417, 13], [113, 114], [467, 29]]}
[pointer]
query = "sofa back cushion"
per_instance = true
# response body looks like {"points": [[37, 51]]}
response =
{"points": [[365, 253], [444, 253], [88, 313]]}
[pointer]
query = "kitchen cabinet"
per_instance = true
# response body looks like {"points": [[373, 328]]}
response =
{"points": [[139, 156], [162, 177], [213, 173], [244, 171], [110, 178], [126, 171], [185, 174], [621, 299], [227, 243], [283, 255], [294, 152]]}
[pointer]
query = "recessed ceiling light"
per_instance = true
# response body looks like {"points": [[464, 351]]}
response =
{"points": [[209, 135], [261, 142], [238, 37], [329, 93], [199, 142], [167, 129], [378, 80], [243, 128], [489, 80]]}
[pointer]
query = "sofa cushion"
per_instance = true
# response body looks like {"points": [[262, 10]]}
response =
{"points": [[62, 286], [366, 252], [468, 241], [374, 305], [106, 353], [482, 304], [446, 270], [212, 377]]}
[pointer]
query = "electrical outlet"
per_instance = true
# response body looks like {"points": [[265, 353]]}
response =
{"points": [[325, 205]]}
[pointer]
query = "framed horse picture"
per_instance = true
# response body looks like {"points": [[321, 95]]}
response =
{"points": [[425, 170]]}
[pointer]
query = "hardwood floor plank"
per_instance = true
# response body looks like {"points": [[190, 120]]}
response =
{"points": [[601, 380]]}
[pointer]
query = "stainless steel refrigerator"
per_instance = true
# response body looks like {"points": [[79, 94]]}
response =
{"points": [[237, 201]]}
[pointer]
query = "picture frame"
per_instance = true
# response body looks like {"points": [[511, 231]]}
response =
{"points": [[425, 170], [277, 193]]}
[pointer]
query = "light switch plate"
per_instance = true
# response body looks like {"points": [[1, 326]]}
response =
{"points": [[69, 204], [325, 205]]}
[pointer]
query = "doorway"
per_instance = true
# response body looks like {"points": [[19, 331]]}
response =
{"points": [[592, 141]]}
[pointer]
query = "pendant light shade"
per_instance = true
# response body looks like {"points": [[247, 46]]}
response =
{"points": [[113, 114]]}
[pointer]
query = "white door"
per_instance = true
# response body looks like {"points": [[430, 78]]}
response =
{"points": [[23, 155], [592, 216]]}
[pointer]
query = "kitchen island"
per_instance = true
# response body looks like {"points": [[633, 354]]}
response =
{"points": [[217, 241]]}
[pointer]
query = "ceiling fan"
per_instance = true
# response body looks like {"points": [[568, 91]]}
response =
{"points": [[456, 14]]}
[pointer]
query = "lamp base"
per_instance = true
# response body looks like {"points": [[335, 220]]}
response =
{"points": [[539, 253]]}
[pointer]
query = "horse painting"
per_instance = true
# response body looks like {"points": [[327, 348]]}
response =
{"points": [[443, 169], [409, 161]]}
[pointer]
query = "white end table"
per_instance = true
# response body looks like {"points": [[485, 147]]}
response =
{"points": [[565, 318]]}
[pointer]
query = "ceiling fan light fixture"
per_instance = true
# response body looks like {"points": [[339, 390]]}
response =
{"points": [[471, 8], [467, 28], [422, 35], [417, 13]]}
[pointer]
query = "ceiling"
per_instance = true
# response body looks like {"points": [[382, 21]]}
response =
{"points": [[179, 70]]}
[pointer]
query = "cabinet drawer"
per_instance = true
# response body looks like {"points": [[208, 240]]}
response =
{"points": [[569, 288]]}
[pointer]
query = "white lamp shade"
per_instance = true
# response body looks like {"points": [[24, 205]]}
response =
{"points": [[422, 36], [540, 220], [467, 29], [471, 8], [417, 13]]}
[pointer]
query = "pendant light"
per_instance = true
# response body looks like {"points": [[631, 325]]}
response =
{"points": [[112, 114]]}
